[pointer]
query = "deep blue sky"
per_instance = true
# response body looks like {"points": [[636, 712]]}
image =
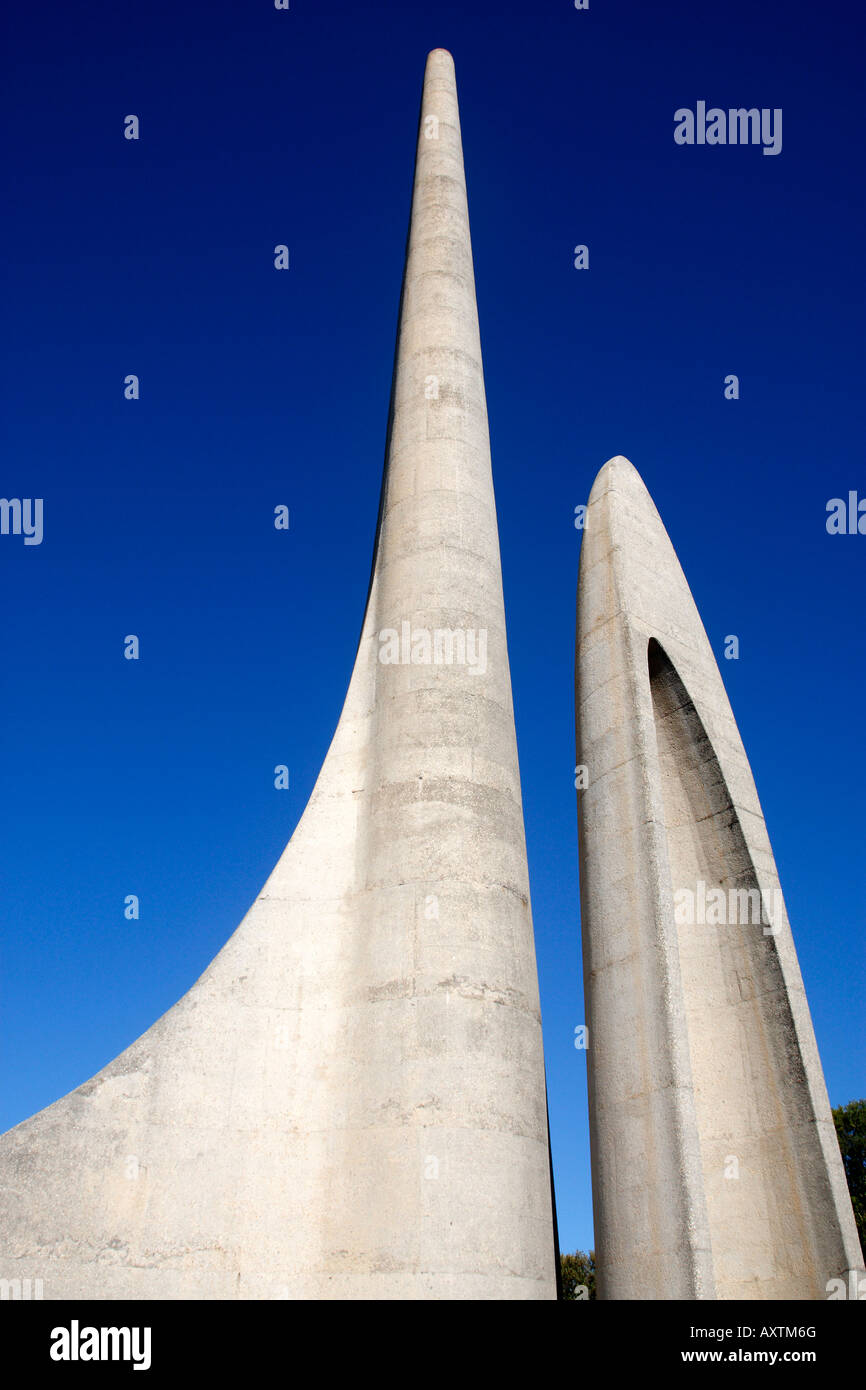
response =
{"points": [[259, 387]]}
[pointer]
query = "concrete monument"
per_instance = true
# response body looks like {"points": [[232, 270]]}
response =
{"points": [[716, 1171], [350, 1101]]}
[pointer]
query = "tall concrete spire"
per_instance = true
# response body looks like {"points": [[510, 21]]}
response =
{"points": [[350, 1102], [716, 1171]]}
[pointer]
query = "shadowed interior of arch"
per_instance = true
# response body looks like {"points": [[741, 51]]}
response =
{"points": [[750, 1092]]}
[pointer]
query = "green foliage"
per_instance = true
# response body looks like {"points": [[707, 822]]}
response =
{"points": [[850, 1121], [578, 1273]]}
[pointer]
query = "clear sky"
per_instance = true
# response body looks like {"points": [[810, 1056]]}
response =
{"points": [[259, 387]]}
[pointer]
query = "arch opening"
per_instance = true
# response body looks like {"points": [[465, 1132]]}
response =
{"points": [[750, 1091]]}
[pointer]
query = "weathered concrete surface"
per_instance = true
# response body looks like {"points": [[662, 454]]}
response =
{"points": [[350, 1102], [716, 1171]]}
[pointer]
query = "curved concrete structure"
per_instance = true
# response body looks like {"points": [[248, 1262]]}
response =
{"points": [[350, 1102], [716, 1171]]}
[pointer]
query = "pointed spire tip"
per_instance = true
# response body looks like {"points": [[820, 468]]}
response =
{"points": [[440, 58]]}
